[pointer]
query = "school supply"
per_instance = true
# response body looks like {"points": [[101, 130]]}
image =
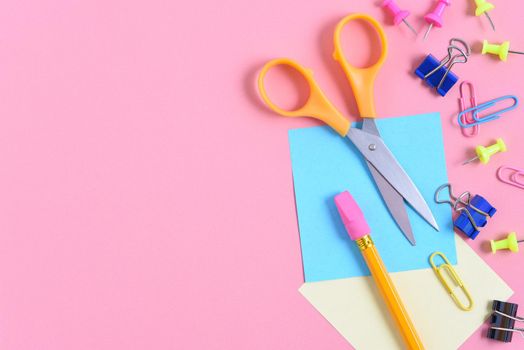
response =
{"points": [[503, 321], [437, 74], [501, 50], [392, 181], [504, 333], [475, 111], [510, 242], [321, 162], [463, 118], [473, 212], [446, 266], [483, 7], [354, 312], [398, 15], [484, 154], [434, 18], [514, 176], [359, 231]]}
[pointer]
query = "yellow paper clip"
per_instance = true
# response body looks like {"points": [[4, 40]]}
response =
{"points": [[451, 272]]}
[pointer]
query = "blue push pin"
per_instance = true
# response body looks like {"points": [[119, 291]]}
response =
{"points": [[437, 74], [474, 212]]}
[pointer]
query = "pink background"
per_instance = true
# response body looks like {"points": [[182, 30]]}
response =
{"points": [[146, 194]]}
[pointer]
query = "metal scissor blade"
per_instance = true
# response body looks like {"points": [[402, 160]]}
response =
{"points": [[394, 202], [377, 153]]}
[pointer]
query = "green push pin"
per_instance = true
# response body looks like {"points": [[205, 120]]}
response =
{"points": [[509, 242], [485, 153], [501, 50], [482, 8]]}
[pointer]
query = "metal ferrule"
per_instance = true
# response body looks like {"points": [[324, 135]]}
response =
{"points": [[365, 242]]}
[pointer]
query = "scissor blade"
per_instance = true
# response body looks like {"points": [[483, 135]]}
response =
{"points": [[394, 202], [377, 153]]}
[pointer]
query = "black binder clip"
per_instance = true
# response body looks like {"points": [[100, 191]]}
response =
{"points": [[503, 321], [437, 74]]}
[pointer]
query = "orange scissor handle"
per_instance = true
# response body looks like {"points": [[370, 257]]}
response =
{"points": [[316, 106], [362, 79]]}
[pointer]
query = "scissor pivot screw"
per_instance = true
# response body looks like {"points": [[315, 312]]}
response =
{"points": [[372, 147]]}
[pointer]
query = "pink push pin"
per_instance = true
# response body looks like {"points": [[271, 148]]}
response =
{"points": [[435, 17], [398, 14], [473, 103]]}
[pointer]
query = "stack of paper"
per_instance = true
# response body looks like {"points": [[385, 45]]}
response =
{"points": [[354, 308], [324, 164], [336, 284]]}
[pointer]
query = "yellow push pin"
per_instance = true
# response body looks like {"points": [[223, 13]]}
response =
{"points": [[482, 8], [501, 50], [485, 153], [509, 242]]}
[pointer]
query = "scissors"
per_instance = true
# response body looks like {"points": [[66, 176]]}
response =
{"points": [[393, 182]]}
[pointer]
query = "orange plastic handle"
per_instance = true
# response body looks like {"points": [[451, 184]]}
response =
{"points": [[362, 79], [316, 106]]}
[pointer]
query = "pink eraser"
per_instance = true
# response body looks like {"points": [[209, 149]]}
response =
{"points": [[351, 215]]}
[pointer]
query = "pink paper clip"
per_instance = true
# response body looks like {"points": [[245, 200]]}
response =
{"points": [[473, 101], [513, 178]]}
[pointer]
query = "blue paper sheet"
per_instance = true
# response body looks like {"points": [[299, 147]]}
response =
{"points": [[325, 164]]}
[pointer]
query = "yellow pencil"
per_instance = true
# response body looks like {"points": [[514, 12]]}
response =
{"points": [[358, 231]]}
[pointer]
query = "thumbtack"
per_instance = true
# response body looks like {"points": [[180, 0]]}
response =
{"points": [[434, 18], [501, 50], [398, 14], [510, 242], [485, 153], [482, 8]]}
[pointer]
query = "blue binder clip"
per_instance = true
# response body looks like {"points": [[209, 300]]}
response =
{"points": [[473, 212], [437, 74], [474, 216]]}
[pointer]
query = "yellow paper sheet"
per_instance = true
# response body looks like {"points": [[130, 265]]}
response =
{"points": [[355, 309]]}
